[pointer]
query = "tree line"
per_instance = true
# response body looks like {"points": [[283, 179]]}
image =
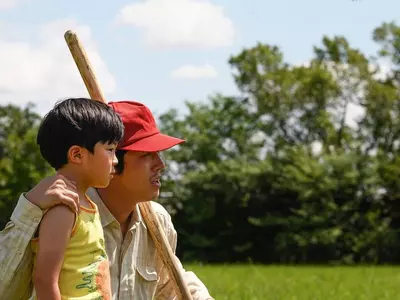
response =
{"points": [[285, 172]]}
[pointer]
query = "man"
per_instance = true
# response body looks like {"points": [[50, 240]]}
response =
{"points": [[136, 271]]}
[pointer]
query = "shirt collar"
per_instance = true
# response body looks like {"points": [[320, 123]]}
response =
{"points": [[106, 216], [139, 217]]}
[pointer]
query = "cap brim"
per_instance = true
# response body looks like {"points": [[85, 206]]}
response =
{"points": [[154, 143]]}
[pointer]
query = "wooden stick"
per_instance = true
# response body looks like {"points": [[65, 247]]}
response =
{"points": [[160, 240], [85, 69]]}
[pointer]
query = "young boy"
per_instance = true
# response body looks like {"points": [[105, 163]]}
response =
{"points": [[78, 138]]}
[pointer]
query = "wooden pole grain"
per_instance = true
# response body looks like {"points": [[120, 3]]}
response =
{"points": [[157, 234]]}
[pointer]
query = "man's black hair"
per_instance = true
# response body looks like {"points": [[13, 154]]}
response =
{"points": [[120, 166], [77, 121], [120, 154]]}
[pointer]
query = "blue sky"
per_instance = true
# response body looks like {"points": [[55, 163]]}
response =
{"points": [[141, 50]]}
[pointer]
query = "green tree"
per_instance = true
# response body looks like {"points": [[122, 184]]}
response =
{"points": [[280, 174], [21, 165]]}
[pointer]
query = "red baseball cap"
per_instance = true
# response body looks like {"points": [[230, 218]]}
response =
{"points": [[141, 132]]}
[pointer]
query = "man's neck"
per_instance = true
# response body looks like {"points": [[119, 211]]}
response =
{"points": [[115, 198]]}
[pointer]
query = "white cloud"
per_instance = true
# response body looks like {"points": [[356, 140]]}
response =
{"points": [[316, 147], [382, 69], [354, 111], [180, 23], [7, 4], [353, 114], [194, 72], [43, 71]]}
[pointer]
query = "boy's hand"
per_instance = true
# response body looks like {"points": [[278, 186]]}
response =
{"points": [[54, 190]]}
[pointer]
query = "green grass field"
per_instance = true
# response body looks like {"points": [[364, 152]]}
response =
{"points": [[249, 282]]}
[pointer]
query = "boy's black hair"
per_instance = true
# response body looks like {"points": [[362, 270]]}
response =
{"points": [[77, 121]]}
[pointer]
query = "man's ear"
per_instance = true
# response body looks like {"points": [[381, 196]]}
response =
{"points": [[76, 154]]}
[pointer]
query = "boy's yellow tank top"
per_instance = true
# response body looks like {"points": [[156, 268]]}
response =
{"points": [[85, 273]]}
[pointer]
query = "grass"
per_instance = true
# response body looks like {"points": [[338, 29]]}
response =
{"points": [[252, 282]]}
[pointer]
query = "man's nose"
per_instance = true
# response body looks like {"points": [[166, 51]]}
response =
{"points": [[158, 162]]}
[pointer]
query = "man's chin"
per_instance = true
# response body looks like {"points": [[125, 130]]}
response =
{"points": [[156, 195], [149, 199], [153, 197], [102, 185]]}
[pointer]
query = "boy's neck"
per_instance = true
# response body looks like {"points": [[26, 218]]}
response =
{"points": [[73, 176]]}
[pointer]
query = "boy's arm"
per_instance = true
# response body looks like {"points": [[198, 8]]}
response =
{"points": [[15, 254], [54, 233]]}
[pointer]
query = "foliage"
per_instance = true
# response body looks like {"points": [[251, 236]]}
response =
{"points": [[21, 165], [283, 173]]}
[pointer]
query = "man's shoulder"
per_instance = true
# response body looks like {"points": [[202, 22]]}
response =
{"points": [[164, 218], [163, 215], [159, 209]]}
